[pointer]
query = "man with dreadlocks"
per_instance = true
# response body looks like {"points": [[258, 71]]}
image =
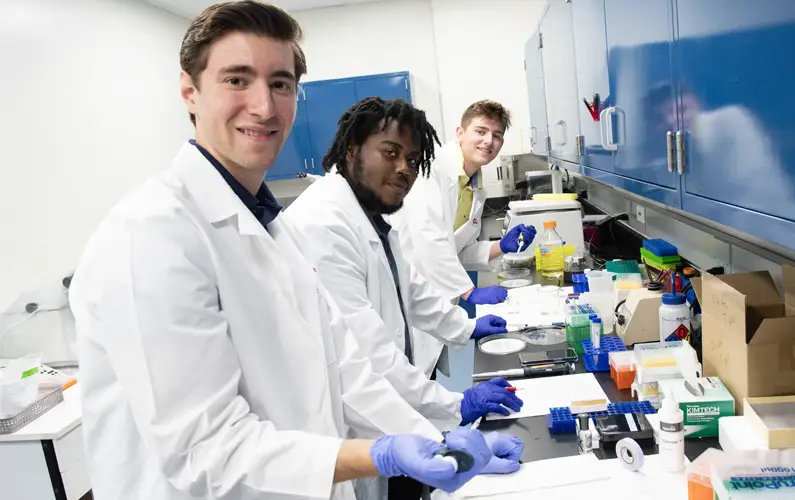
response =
{"points": [[379, 150]]}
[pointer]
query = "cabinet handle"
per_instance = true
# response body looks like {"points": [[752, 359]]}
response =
{"points": [[680, 152], [305, 167], [562, 125], [313, 165], [622, 127], [533, 136], [499, 173], [606, 128], [669, 142]]}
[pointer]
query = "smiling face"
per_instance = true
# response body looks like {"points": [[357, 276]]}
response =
{"points": [[382, 170], [481, 142], [244, 101]]}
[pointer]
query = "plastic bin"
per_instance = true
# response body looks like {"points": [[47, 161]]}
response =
{"points": [[621, 369], [600, 281]]}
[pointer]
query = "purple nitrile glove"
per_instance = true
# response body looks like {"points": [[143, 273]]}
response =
{"points": [[487, 295], [489, 325], [416, 457], [510, 242], [488, 397], [507, 451]]}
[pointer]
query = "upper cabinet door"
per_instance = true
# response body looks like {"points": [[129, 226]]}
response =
{"points": [[326, 102], [736, 82], [392, 86], [560, 81], [295, 156], [642, 107], [590, 47], [534, 71]]}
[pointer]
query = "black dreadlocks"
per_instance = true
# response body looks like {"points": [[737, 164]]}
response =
{"points": [[373, 114]]}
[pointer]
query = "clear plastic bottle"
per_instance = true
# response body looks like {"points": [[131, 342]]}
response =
{"points": [[550, 250]]}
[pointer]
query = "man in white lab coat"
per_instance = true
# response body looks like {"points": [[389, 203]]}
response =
{"points": [[213, 363], [379, 150], [440, 221]]}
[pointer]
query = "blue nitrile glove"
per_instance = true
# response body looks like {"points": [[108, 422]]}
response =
{"points": [[489, 325], [510, 242], [415, 457], [488, 397], [507, 451], [487, 295]]}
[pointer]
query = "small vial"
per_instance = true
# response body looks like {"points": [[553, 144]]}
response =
{"points": [[584, 434]]}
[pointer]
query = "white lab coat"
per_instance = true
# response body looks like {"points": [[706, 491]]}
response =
{"points": [[340, 240], [441, 255], [213, 364]]}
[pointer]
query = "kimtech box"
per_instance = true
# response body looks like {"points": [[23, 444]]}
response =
{"points": [[701, 411]]}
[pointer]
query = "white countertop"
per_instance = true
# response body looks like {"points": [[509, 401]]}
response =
{"points": [[55, 423]]}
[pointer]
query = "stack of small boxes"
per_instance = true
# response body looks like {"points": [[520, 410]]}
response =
{"points": [[660, 255], [655, 362]]}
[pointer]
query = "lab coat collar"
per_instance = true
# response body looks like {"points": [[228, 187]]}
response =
{"points": [[350, 204], [212, 194]]}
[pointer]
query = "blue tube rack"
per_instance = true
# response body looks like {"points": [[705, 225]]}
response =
{"points": [[660, 248], [606, 346], [561, 420]]}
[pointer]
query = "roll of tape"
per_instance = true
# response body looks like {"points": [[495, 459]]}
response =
{"points": [[629, 452]]}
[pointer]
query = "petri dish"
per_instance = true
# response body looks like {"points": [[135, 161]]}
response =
{"points": [[544, 335], [510, 274], [499, 345], [515, 283]]}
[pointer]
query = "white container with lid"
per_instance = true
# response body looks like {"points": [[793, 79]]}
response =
{"points": [[674, 318]]}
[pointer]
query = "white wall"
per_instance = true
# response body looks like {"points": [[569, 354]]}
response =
{"points": [[457, 51], [90, 108]]}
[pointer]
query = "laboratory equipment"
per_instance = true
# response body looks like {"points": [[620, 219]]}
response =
{"points": [[461, 460], [566, 214], [550, 247], [563, 368], [773, 420], [671, 441], [509, 284], [40, 321], [637, 319], [572, 265], [578, 324], [598, 360], [501, 344], [546, 357], [674, 318], [614, 428], [629, 452], [768, 475], [621, 369], [702, 411], [596, 335], [600, 281], [585, 443], [699, 485], [545, 335], [514, 266]]}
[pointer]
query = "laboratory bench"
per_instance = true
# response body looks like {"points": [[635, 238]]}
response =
{"points": [[539, 443]]}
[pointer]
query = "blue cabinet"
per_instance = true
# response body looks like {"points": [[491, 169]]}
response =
{"points": [[560, 82], [295, 154], [590, 48], [738, 113], [643, 105], [534, 72], [320, 106]]}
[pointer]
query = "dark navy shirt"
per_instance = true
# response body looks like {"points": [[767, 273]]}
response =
{"points": [[264, 206], [382, 228]]}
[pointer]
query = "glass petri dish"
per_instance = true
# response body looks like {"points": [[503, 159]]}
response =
{"points": [[544, 335], [502, 344], [515, 283]]}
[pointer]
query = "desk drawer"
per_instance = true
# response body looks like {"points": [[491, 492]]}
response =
{"points": [[69, 449]]}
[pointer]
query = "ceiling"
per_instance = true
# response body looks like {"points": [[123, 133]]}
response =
{"points": [[192, 8]]}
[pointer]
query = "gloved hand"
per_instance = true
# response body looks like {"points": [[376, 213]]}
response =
{"points": [[487, 295], [510, 242], [488, 397], [415, 456], [489, 325], [507, 451]]}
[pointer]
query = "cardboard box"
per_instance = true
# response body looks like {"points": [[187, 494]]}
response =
{"points": [[773, 419], [749, 333]]}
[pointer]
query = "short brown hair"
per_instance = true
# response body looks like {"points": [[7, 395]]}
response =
{"points": [[247, 16], [487, 109]]}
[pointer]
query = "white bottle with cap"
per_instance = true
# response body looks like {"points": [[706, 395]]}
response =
{"points": [[674, 318], [672, 435]]}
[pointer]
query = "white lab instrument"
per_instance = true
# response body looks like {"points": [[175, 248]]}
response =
{"points": [[40, 321], [178, 389], [352, 264], [638, 317], [567, 215]]}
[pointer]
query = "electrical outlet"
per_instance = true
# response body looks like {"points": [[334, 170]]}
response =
{"points": [[640, 213]]}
